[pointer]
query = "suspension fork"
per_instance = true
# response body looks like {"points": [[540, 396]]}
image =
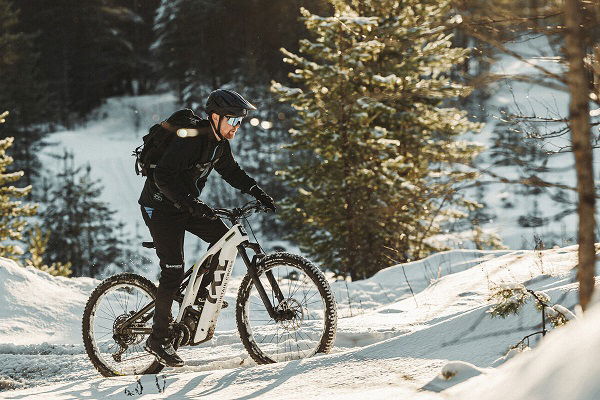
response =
{"points": [[253, 271]]}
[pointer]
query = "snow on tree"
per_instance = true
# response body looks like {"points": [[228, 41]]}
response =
{"points": [[378, 153], [11, 210], [509, 299]]}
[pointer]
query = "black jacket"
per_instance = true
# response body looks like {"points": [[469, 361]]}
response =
{"points": [[185, 165]]}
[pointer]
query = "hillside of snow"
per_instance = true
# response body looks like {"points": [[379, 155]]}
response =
{"points": [[105, 143], [37, 307], [396, 332]]}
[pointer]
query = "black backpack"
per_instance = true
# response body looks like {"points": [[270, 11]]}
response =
{"points": [[147, 154]]}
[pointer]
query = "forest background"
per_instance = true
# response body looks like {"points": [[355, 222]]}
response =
{"points": [[384, 130]]}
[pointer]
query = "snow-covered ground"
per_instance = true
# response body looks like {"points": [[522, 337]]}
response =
{"points": [[396, 332]]}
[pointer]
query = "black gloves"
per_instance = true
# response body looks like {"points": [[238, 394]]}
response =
{"points": [[263, 198], [198, 208]]}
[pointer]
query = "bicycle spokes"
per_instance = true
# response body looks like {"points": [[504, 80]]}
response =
{"points": [[298, 326], [121, 348]]}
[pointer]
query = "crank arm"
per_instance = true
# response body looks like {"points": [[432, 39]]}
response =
{"points": [[135, 330]]}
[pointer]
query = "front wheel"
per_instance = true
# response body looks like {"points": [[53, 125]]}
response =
{"points": [[308, 306]]}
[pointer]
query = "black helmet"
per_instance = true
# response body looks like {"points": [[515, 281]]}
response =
{"points": [[227, 102]]}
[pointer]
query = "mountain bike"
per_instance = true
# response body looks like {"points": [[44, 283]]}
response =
{"points": [[285, 309]]}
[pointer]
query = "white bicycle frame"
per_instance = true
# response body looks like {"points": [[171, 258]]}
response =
{"points": [[233, 242], [227, 245]]}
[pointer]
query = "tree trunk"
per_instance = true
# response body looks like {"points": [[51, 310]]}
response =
{"points": [[582, 149]]}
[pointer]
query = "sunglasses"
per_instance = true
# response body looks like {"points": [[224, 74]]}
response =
{"points": [[234, 121]]}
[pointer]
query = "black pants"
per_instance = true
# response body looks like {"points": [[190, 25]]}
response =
{"points": [[168, 230]]}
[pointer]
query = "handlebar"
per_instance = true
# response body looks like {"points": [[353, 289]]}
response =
{"points": [[237, 213]]}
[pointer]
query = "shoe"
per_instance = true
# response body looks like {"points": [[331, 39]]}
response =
{"points": [[164, 352]]}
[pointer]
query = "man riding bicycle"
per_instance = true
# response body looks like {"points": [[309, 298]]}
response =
{"points": [[169, 200]]}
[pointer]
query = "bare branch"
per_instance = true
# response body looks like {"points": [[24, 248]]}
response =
{"points": [[527, 181], [503, 48]]}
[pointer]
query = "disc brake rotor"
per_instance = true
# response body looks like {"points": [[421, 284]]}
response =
{"points": [[292, 314]]}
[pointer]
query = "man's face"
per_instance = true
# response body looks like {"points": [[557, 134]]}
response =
{"points": [[227, 130]]}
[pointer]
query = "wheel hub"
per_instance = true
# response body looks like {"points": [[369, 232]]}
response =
{"points": [[124, 339], [291, 314]]}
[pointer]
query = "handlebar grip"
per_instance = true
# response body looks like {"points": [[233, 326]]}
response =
{"points": [[239, 212]]}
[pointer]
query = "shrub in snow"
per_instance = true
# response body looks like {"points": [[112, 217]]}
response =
{"points": [[559, 315], [452, 373], [510, 298], [459, 369]]}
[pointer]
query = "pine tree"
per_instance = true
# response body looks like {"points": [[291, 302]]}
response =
{"points": [[22, 92], [85, 56], [82, 228], [187, 51], [38, 243], [11, 210], [138, 26], [213, 44], [376, 148]]}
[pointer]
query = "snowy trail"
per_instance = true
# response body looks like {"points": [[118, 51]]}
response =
{"points": [[25, 356], [395, 346], [318, 377]]}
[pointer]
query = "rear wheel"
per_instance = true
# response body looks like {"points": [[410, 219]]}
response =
{"points": [[112, 351], [308, 316]]}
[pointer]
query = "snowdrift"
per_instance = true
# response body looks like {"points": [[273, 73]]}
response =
{"points": [[36, 307], [448, 320], [564, 366]]}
